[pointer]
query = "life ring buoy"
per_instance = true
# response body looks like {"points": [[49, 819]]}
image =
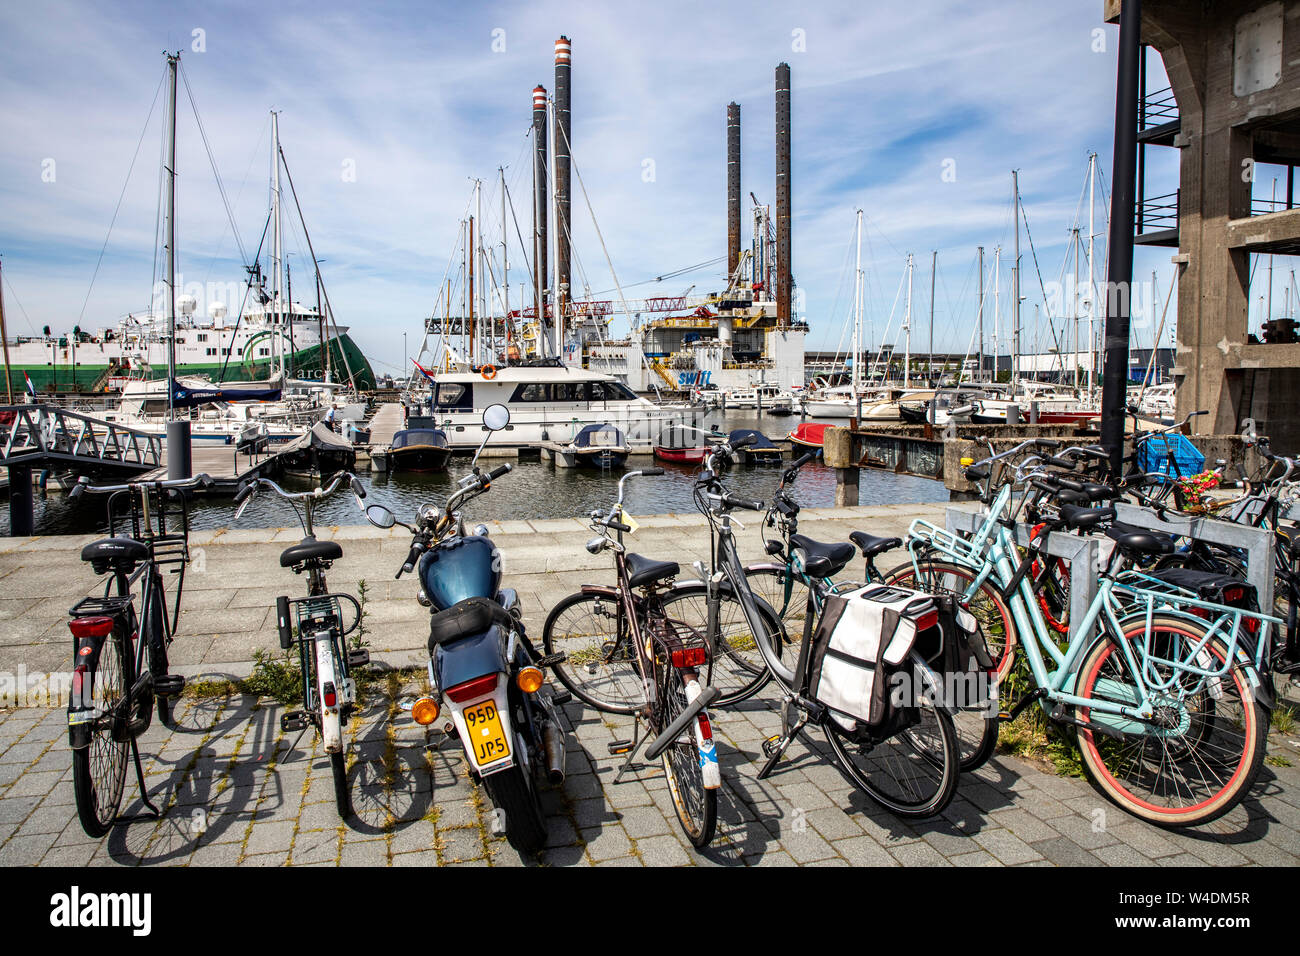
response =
{"points": [[489, 372]]}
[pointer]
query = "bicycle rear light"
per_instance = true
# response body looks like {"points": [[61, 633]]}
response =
{"points": [[90, 626], [690, 657], [330, 695]]}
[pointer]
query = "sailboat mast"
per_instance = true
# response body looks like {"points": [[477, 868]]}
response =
{"points": [[907, 341], [1075, 240], [277, 238], [857, 314], [997, 307], [1015, 283], [505, 263], [172, 61], [934, 265], [1092, 285], [981, 314], [4, 338]]}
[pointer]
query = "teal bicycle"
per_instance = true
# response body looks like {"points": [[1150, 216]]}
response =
{"points": [[1165, 703]]}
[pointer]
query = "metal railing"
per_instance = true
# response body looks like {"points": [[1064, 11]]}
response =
{"points": [[36, 433], [1155, 213], [1157, 109]]}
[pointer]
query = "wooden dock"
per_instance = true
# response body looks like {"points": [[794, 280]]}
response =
{"points": [[387, 422], [222, 463]]}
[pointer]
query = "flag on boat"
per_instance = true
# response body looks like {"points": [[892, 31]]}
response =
{"points": [[31, 389], [422, 369]]}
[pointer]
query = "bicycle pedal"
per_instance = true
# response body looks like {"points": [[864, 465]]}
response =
{"points": [[358, 657], [563, 697], [619, 747], [1003, 716], [292, 722], [169, 685], [550, 660]]}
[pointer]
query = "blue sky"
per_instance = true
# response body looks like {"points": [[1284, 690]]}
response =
{"points": [[414, 98]]}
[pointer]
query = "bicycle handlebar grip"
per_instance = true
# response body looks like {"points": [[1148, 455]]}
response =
{"points": [[618, 526], [803, 460], [496, 473], [1047, 442], [358, 488], [977, 472], [204, 481], [651, 472], [245, 490], [1071, 485], [742, 442], [747, 503], [1042, 486], [1058, 462]]}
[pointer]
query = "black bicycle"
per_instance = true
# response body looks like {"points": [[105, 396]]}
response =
{"points": [[120, 669]]}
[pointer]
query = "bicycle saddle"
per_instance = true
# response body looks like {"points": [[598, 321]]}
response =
{"points": [[642, 570], [1085, 519], [120, 553], [872, 545], [822, 560], [1140, 541], [309, 549], [1119, 529]]}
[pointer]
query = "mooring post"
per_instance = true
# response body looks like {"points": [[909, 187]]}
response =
{"points": [[837, 452], [178, 450], [22, 517]]}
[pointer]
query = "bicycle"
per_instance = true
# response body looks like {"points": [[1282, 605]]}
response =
{"points": [[1162, 701], [909, 766], [315, 624], [638, 659], [114, 689]]}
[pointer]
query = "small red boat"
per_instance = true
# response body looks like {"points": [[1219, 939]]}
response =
{"points": [[681, 456], [809, 435]]}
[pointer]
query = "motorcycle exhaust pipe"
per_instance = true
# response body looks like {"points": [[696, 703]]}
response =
{"points": [[553, 741]]}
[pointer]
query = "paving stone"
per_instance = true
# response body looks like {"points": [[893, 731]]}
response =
{"points": [[1006, 846], [641, 822], [461, 844], [864, 851], [1065, 852], [269, 836], [662, 851], [918, 854]]}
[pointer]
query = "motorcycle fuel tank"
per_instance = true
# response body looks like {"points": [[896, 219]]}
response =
{"points": [[461, 568]]}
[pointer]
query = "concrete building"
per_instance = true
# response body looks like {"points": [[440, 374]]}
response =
{"points": [[1234, 71]]}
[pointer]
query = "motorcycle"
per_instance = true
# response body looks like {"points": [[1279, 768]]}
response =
{"points": [[483, 670]]}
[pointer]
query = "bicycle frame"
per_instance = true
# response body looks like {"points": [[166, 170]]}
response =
{"points": [[992, 552]]}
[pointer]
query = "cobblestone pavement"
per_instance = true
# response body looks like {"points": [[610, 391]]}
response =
{"points": [[236, 791]]}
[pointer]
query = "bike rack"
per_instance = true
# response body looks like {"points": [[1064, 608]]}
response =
{"points": [[1084, 553]]}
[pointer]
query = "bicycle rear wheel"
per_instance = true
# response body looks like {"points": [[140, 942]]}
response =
{"points": [[977, 729], [737, 668], [696, 806], [912, 773], [1199, 755], [770, 583], [99, 770], [600, 668]]}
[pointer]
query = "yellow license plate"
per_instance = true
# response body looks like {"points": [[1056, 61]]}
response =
{"points": [[485, 733]]}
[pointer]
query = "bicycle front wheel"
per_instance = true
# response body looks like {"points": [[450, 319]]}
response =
{"points": [[696, 805], [912, 773], [600, 666], [99, 770], [737, 668], [1199, 754]]}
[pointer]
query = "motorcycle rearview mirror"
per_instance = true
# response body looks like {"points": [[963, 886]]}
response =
{"points": [[380, 517], [496, 417]]}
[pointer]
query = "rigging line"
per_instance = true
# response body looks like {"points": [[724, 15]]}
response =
{"points": [[122, 195], [686, 270], [157, 221], [1051, 326], [329, 308], [528, 266], [212, 161], [9, 283], [257, 151], [248, 287]]}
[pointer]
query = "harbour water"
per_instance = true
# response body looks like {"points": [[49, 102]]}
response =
{"points": [[534, 489]]}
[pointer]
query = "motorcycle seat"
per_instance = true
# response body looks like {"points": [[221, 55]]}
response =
{"points": [[642, 570], [464, 618]]}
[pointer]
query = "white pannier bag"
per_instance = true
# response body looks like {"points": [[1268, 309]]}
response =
{"points": [[862, 637]]}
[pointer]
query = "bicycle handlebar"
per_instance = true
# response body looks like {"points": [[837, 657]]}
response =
{"points": [[83, 485]]}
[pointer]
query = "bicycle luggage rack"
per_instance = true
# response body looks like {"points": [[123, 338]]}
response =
{"points": [[1084, 552]]}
